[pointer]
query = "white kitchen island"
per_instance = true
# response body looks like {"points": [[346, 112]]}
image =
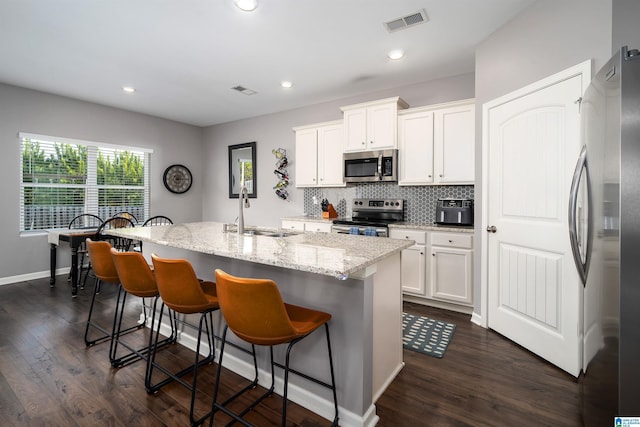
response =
{"points": [[355, 278]]}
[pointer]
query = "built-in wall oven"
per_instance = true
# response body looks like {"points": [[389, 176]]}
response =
{"points": [[371, 217]]}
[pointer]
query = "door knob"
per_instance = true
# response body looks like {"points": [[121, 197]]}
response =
{"points": [[492, 229]]}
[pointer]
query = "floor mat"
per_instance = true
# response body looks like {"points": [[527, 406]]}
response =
{"points": [[426, 335]]}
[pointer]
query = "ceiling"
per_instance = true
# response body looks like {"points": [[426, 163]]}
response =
{"points": [[183, 57]]}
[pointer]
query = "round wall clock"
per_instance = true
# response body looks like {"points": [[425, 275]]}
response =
{"points": [[177, 179]]}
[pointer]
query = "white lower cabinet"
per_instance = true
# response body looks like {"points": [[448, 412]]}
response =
{"points": [[451, 267], [413, 261], [438, 269], [315, 226]]}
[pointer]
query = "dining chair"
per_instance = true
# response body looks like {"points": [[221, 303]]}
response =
{"points": [[255, 312], [127, 215], [157, 220], [89, 222], [120, 243]]}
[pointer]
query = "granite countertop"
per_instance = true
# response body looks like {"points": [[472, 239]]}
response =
{"points": [[403, 225], [433, 227], [310, 218], [330, 254]]}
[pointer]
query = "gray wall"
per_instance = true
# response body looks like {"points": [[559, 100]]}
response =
{"points": [[23, 110], [626, 19], [275, 131], [544, 39]]}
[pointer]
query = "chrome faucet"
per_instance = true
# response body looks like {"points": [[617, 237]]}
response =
{"points": [[243, 196]]}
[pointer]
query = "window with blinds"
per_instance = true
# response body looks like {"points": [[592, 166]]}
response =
{"points": [[62, 178]]}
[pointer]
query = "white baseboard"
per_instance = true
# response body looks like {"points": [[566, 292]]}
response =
{"points": [[31, 276], [465, 309], [477, 319]]}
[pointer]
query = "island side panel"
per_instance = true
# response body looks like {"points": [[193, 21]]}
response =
{"points": [[387, 324], [351, 305]]}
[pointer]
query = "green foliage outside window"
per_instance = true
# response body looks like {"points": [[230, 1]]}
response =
{"points": [[55, 177]]}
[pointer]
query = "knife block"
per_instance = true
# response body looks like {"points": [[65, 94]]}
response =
{"points": [[330, 213]]}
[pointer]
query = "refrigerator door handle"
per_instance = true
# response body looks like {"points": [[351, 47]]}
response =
{"points": [[582, 266]]}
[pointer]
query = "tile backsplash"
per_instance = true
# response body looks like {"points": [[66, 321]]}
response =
{"points": [[420, 200]]}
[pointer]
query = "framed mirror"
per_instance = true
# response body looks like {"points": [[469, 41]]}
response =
{"points": [[242, 169]]}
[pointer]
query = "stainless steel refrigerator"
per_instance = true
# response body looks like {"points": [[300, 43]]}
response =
{"points": [[604, 217]]}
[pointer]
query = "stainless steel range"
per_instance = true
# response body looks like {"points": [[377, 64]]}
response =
{"points": [[371, 217]]}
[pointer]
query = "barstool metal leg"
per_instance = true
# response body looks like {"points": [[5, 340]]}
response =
{"points": [[222, 406], [134, 354], [107, 335]]}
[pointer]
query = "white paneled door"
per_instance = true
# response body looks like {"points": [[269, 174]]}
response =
{"points": [[534, 292]]}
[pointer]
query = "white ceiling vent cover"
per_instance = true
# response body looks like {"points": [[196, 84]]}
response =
{"points": [[407, 21], [244, 90]]}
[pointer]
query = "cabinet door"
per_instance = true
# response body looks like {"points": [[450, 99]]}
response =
{"points": [[306, 157], [355, 129], [330, 150], [413, 269], [382, 131], [454, 144], [415, 132], [451, 271]]}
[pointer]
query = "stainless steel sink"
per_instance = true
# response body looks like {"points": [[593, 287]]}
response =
{"points": [[266, 233], [231, 228]]}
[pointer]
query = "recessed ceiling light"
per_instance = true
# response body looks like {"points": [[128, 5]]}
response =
{"points": [[128, 89], [396, 54], [286, 84], [246, 5]]}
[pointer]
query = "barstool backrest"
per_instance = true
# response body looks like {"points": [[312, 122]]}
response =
{"points": [[179, 286], [135, 274], [101, 261], [254, 309]]}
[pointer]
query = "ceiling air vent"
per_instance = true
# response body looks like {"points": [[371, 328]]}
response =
{"points": [[244, 90], [407, 21]]}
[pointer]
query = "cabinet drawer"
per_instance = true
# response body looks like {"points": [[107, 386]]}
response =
{"points": [[318, 227], [452, 240], [293, 225], [417, 235]]}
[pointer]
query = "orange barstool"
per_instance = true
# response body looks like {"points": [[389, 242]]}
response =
{"points": [[105, 272], [255, 312], [136, 278], [183, 293]]}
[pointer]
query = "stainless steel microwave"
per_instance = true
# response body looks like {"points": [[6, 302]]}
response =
{"points": [[371, 166]]}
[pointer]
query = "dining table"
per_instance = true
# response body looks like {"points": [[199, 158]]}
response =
{"points": [[74, 238]]}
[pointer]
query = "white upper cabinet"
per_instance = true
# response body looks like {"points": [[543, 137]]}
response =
{"points": [[306, 157], [436, 144], [318, 159], [454, 144], [372, 125], [415, 155]]}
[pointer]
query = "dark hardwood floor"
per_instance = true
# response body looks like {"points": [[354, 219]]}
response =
{"points": [[49, 378]]}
